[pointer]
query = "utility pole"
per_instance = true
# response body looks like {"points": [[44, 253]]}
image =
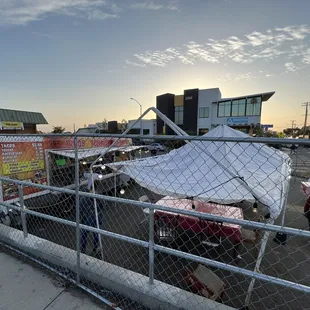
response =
{"points": [[305, 104], [293, 126]]}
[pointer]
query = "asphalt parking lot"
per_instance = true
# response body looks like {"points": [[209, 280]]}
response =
{"points": [[289, 261]]}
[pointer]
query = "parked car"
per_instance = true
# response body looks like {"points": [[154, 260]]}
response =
{"points": [[155, 147]]}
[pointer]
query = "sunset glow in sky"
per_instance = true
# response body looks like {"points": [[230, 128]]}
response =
{"points": [[79, 61]]}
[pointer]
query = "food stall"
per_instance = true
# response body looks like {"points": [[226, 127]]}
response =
{"points": [[39, 159]]}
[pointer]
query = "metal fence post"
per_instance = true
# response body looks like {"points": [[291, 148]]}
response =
{"points": [[22, 211], [77, 210], [151, 246]]}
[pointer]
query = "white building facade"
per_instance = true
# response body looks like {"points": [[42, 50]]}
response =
{"points": [[148, 125], [200, 110]]}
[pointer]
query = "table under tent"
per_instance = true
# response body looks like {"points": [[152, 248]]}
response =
{"points": [[208, 173]]}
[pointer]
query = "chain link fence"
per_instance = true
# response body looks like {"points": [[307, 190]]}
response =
{"points": [[222, 217]]}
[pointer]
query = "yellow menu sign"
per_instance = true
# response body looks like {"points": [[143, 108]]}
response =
{"points": [[11, 125], [22, 166]]}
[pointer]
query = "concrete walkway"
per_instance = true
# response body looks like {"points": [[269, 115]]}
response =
{"points": [[26, 286]]}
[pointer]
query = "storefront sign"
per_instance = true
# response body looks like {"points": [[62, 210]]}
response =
{"points": [[83, 143], [237, 120], [22, 161], [11, 125], [266, 127]]}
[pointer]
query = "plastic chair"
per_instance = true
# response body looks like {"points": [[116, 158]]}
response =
{"points": [[213, 237], [204, 282], [166, 228]]}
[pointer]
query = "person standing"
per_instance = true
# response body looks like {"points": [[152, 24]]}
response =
{"points": [[293, 149], [88, 218]]}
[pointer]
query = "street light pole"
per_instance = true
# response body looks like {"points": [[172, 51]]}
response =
{"points": [[141, 129]]}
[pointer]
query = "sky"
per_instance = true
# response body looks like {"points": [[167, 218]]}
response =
{"points": [[80, 61]]}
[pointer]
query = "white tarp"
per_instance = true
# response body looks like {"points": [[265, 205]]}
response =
{"points": [[222, 172], [84, 153]]}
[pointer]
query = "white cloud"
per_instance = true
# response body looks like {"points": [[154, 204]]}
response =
{"points": [[196, 51], [21, 12], [245, 76], [128, 62], [257, 46], [290, 67], [155, 5]]}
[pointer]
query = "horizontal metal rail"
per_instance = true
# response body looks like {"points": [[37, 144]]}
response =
{"points": [[185, 255], [174, 137], [228, 267], [206, 216]]}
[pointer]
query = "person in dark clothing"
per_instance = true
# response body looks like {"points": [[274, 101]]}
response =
{"points": [[307, 211], [293, 149], [88, 217]]}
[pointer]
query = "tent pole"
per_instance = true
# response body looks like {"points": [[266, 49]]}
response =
{"points": [[256, 269], [284, 211], [280, 238], [96, 211], [173, 126], [263, 246]]}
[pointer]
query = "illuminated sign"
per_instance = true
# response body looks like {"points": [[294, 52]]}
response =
{"points": [[11, 125], [237, 120]]}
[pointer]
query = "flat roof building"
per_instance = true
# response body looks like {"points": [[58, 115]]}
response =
{"points": [[199, 110]]}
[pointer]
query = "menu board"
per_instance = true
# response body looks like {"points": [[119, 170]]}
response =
{"points": [[21, 161], [21, 157]]}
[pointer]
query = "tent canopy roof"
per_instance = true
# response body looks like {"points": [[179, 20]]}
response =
{"points": [[217, 171]]}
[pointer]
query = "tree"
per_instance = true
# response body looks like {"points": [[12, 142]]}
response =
{"points": [[292, 132], [58, 129], [259, 131], [303, 131], [103, 126], [124, 125], [280, 135]]}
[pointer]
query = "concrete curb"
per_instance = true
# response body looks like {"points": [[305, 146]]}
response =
{"points": [[123, 281]]}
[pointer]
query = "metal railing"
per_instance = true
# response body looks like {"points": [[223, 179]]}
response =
{"points": [[149, 243]]}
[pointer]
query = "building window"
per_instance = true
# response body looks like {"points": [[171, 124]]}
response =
{"points": [[224, 109], [204, 112], [253, 106], [178, 115], [238, 107]]}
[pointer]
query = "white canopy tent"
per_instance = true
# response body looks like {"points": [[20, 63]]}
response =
{"points": [[222, 172], [217, 171]]}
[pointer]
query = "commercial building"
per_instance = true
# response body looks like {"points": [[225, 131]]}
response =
{"points": [[199, 110], [149, 126], [112, 127], [20, 122]]}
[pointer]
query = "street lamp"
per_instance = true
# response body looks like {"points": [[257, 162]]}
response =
{"points": [[141, 130]]}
